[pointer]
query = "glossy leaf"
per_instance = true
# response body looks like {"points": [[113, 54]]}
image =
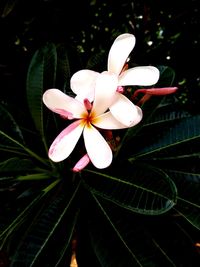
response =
{"points": [[23, 150], [34, 176], [9, 125], [47, 223], [185, 130], [166, 114], [16, 165], [115, 232], [63, 68], [188, 204], [142, 189], [167, 76], [41, 75]]}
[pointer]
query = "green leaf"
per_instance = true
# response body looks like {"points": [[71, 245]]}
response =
{"points": [[41, 75], [9, 125], [188, 185], [142, 189], [16, 222], [34, 176], [188, 204], [104, 235], [185, 130], [24, 149], [44, 227], [96, 60], [167, 76], [148, 110], [63, 68], [115, 232], [8, 7], [16, 164], [189, 212], [165, 115]]}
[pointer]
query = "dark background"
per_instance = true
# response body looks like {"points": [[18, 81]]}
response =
{"points": [[167, 33]]}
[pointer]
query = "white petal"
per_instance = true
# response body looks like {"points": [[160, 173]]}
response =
{"points": [[120, 51], [106, 86], [125, 111], [138, 117], [146, 75], [65, 142], [108, 121], [97, 148], [83, 82], [59, 102]]}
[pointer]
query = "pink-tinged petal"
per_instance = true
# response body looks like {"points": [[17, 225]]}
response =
{"points": [[125, 111], [64, 114], [108, 121], [106, 86], [146, 75], [119, 52], [97, 148], [82, 84], [65, 142], [82, 163], [57, 101]]}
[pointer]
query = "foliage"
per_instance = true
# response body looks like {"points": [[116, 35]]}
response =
{"points": [[144, 209], [45, 203]]}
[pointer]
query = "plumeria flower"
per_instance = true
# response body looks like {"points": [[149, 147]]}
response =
{"points": [[89, 118], [83, 81]]}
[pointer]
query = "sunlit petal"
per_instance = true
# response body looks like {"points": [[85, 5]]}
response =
{"points": [[65, 142], [125, 111], [106, 86], [97, 148], [108, 121], [147, 75], [82, 84], [119, 52], [59, 102]]}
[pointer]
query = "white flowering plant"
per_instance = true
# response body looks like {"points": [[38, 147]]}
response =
{"points": [[111, 157]]}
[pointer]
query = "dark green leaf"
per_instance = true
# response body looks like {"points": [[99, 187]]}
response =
{"points": [[15, 164], [10, 126], [148, 110], [24, 149], [189, 212], [142, 189], [115, 232], [34, 176], [164, 115], [63, 68], [185, 130], [41, 75], [167, 76], [188, 204], [8, 8], [46, 227]]}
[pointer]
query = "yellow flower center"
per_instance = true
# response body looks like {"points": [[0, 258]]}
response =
{"points": [[88, 119]]}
